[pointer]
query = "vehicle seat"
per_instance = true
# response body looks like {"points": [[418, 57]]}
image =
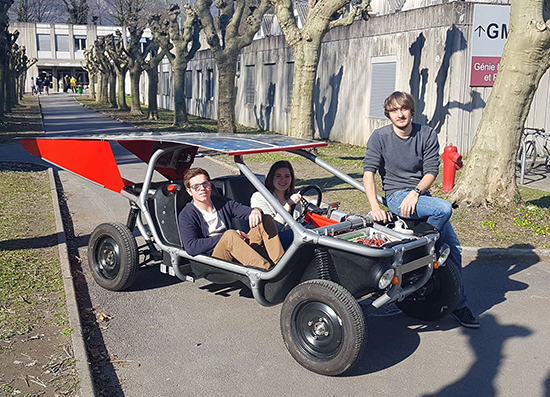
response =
{"points": [[165, 206], [238, 188]]}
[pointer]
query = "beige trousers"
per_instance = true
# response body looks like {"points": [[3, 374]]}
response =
{"points": [[263, 250]]}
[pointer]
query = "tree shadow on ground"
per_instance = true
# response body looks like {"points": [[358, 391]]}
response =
{"points": [[493, 276], [29, 242], [225, 290]]}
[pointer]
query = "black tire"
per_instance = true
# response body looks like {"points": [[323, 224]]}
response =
{"points": [[323, 327], [437, 298], [113, 256], [530, 156]]}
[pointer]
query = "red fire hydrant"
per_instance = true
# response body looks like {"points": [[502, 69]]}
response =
{"points": [[452, 161]]}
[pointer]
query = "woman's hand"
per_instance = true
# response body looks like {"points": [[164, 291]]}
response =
{"points": [[255, 218], [294, 199]]}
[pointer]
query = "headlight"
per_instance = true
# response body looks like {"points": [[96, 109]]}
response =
{"points": [[386, 278], [444, 252]]}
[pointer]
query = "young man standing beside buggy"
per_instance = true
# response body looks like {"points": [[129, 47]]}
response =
{"points": [[205, 226], [406, 155]]}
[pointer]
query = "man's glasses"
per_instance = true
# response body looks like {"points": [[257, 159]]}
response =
{"points": [[205, 185]]}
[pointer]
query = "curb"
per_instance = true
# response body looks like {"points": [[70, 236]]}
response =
{"points": [[77, 337], [478, 252]]}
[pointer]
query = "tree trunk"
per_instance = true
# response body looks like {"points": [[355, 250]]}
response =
{"points": [[2, 87], [489, 173], [121, 91], [306, 59], [226, 96], [112, 90], [180, 112], [10, 92], [103, 88], [134, 80], [153, 112], [92, 84], [21, 85]]}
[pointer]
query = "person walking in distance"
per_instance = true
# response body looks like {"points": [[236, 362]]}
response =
{"points": [[33, 87], [73, 84]]}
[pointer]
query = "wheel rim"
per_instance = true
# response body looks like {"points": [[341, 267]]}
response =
{"points": [[107, 258], [430, 293], [317, 329]]}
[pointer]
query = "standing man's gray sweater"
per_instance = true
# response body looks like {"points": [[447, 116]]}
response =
{"points": [[402, 162]]}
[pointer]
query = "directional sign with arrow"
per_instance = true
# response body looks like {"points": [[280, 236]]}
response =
{"points": [[480, 29], [489, 34]]}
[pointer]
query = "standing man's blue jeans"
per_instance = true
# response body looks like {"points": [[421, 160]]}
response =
{"points": [[437, 213]]}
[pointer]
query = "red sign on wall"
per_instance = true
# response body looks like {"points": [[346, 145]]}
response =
{"points": [[484, 71]]}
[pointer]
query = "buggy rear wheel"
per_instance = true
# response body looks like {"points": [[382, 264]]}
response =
{"points": [[112, 256], [323, 327], [437, 298]]}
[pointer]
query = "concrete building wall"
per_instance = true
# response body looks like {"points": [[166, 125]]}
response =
{"points": [[430, 49]]}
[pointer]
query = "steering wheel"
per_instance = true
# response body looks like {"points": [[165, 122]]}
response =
{"points": [[305, 203]]}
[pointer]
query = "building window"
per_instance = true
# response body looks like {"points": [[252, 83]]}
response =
{"points": [[200, 88], [44, 42], [209, 84], [250, 84], [79, 43], [188, 84], [290, 82], [382, 84], [62, 42]]}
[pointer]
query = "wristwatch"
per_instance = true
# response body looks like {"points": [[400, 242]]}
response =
{"points": [[418, 190]]}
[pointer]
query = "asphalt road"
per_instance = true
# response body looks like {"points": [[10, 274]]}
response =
{"points": [[170, 338]]}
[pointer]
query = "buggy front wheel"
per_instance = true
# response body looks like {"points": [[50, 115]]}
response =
{"points": [[323, 327], [437, 298], [112, 256]]}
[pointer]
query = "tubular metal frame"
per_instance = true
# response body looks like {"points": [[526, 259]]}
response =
{"points": [[302, 237]]}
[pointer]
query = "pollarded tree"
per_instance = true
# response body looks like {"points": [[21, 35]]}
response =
{"points": [[5, 45], [323, 15], [45, 11], [114, 46], [157, 49], [92, 68], [22, 64], [14, 54], [78, 11], [525, 59], [229, 28], [108, 75], [183, 45], [133, 14]]}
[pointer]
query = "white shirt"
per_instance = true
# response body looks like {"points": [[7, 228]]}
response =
{"points": [[215, 223]]}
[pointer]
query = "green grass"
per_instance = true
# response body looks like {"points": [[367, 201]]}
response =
{"points": [[30, 281], [21, 121]]}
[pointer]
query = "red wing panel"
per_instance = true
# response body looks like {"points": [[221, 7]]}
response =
{"points": [[90, 159]]}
